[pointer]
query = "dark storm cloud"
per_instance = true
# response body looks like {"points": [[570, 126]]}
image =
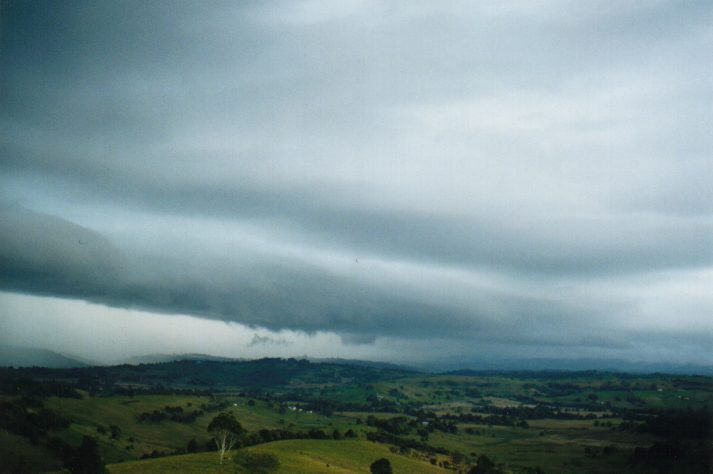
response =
{"points": [[549, 245], [507, 173], [46, 255]]}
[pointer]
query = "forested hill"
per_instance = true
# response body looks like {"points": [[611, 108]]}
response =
{"points": [[261, 373], [30, 357]]}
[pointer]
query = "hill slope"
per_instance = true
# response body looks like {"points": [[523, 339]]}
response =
{"points": [[16, 356], [295, 457]]}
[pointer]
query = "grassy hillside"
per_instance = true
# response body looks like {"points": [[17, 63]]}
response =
{"points": [[17, 454], [91, 414], [295, 456], [94, 416], [314, 415]]}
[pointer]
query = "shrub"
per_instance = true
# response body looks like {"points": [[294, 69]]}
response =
{"points": [[257, 463], [381, 466]]}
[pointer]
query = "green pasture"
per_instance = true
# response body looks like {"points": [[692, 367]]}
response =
{"points": [[140, 438], [136, 438], [295, 457], [18, 454], [555, 445]]}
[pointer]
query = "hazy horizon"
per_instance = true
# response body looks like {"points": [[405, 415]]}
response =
{"points": [[418, 185], [29, 357]]}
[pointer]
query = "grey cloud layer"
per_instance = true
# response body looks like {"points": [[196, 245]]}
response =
{"points": [[47, 255], [547, 244], [533, 152]]}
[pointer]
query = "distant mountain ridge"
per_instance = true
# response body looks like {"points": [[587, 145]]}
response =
{"points": [[192, 374], [578, 365], [18, 356], [161, 358], [365, 363]]}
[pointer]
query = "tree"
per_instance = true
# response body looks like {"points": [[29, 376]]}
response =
{"points": [[115, 431], [457, 457], [225, 430], [381, 466], [485, 466], [86, 458], [192, 446]]}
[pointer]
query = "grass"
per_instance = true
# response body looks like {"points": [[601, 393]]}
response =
{"points": [[89, 413], [17, 454], [138, 439], [555, 445], [295, 456], [187, 463]]}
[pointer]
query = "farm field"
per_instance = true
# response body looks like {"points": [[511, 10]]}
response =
{"points": [[309, 417], [294, 456]]}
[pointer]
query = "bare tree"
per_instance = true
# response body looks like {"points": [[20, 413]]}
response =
{"points": [[225, 430]]}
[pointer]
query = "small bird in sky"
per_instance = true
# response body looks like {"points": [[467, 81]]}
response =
{"points": [[356, 260], [82, 243]]}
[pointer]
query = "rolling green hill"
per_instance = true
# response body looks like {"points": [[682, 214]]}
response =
{"points": [[295, 457], [154, 418]]}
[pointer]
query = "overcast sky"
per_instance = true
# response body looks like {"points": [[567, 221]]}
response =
{"points": [[405, 181]]}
